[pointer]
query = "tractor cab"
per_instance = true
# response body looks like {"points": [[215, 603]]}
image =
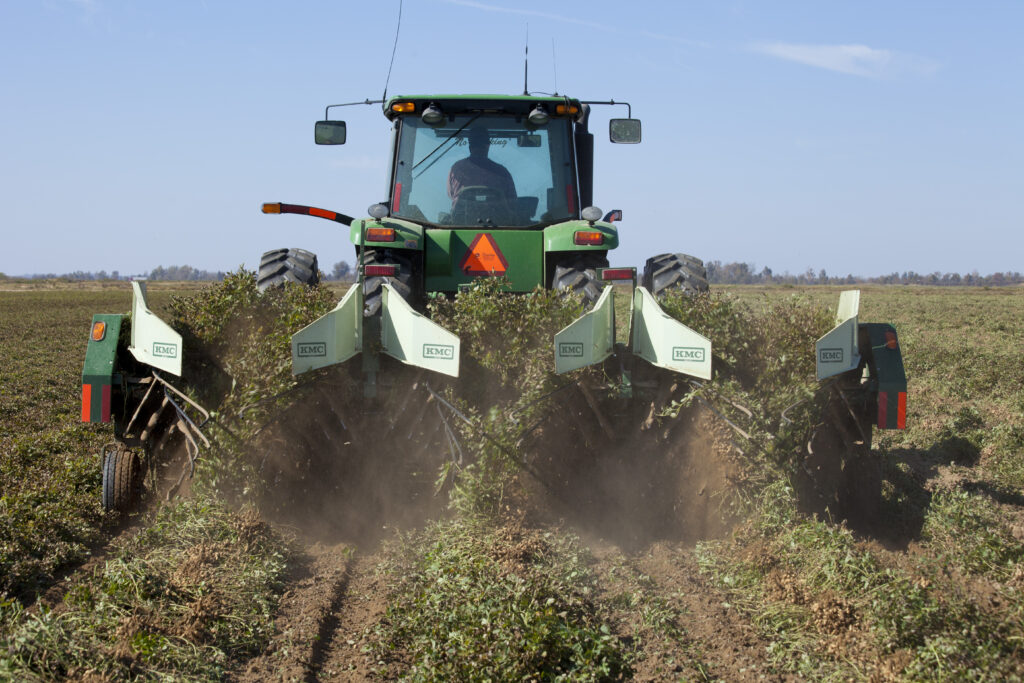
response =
{"points": [[472, 161], [474, 169]]}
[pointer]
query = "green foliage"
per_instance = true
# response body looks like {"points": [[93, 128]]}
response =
{"points": [[508, 335], [192, 592], [507, 366], [470, 605], [239, 344], [54, 516], [761, 362], [967, 531], [50, 514]]}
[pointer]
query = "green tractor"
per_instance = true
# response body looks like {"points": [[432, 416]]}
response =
{"points": [[484, 186], [480, 186]]}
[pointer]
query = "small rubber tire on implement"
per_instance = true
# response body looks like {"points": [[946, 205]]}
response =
{"points": [[279, 266], [122, 479], [402, 282], [578, 273], [675, 272]]}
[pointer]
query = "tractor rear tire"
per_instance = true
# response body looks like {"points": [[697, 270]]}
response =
{"points": [[279, 266], [675, 272], [579, 274], [402, 282], [122, 479]]}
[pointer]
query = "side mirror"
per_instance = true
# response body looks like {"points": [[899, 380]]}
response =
{"points": [[329, 133], [624, 131]]}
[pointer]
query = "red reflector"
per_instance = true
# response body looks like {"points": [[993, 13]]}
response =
{"points": [[890, 340], [617, 274], [99, 330], [322, 213], [588, 237], [398, 198], [380, 235], [901, 411], [86, 402], [105, 404], [381, 271]]}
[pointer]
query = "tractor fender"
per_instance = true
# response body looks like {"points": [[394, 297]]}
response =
{"points": [[560, 236], [407, 235]]}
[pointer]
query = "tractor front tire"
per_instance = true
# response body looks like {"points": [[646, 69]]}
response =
{"points": [[402, 282], [579, 274], [279, 266], [122, 479], [675, 272]]}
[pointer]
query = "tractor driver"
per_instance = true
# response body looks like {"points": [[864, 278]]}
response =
{"points": [[477, 170]]}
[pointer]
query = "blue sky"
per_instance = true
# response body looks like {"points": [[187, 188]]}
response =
{"points": [[858, 137]]}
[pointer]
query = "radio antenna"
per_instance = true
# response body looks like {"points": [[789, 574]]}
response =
{"points": [[526, 62], [393, 50], [554, 65]]}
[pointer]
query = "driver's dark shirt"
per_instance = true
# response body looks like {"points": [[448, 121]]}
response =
{"points": [[477, 171]]}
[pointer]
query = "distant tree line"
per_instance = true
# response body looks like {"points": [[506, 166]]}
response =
{"points": [[184, 273], [747, 274], [718, 273], [341, 271], [174, 273]]}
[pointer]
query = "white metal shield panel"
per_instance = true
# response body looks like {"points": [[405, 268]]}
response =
{"points": [[332, 338], [153, 341], [663, 341], [590, 338], [837, 351], [415, 339]]}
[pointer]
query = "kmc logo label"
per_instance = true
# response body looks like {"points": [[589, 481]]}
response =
{"points": [[570, 349], [162, 350], [830, 356], [439, 351], [312, 349], [688, 354]]}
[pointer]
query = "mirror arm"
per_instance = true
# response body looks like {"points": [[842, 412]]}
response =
{"points": [[629, 109], [327, 111]]}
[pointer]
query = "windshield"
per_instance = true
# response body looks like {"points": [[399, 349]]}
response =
{"points": [[476, 170]]}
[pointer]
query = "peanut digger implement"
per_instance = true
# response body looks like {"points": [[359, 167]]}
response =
{"points": [[479, 186]]}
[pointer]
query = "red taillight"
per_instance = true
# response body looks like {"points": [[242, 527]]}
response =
{"points": [[381, 271], [890, 340], [590, 237], [380, 235], [617, 274]]}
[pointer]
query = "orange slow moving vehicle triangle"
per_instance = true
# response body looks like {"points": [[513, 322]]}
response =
{"points": [[484, 257]]}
